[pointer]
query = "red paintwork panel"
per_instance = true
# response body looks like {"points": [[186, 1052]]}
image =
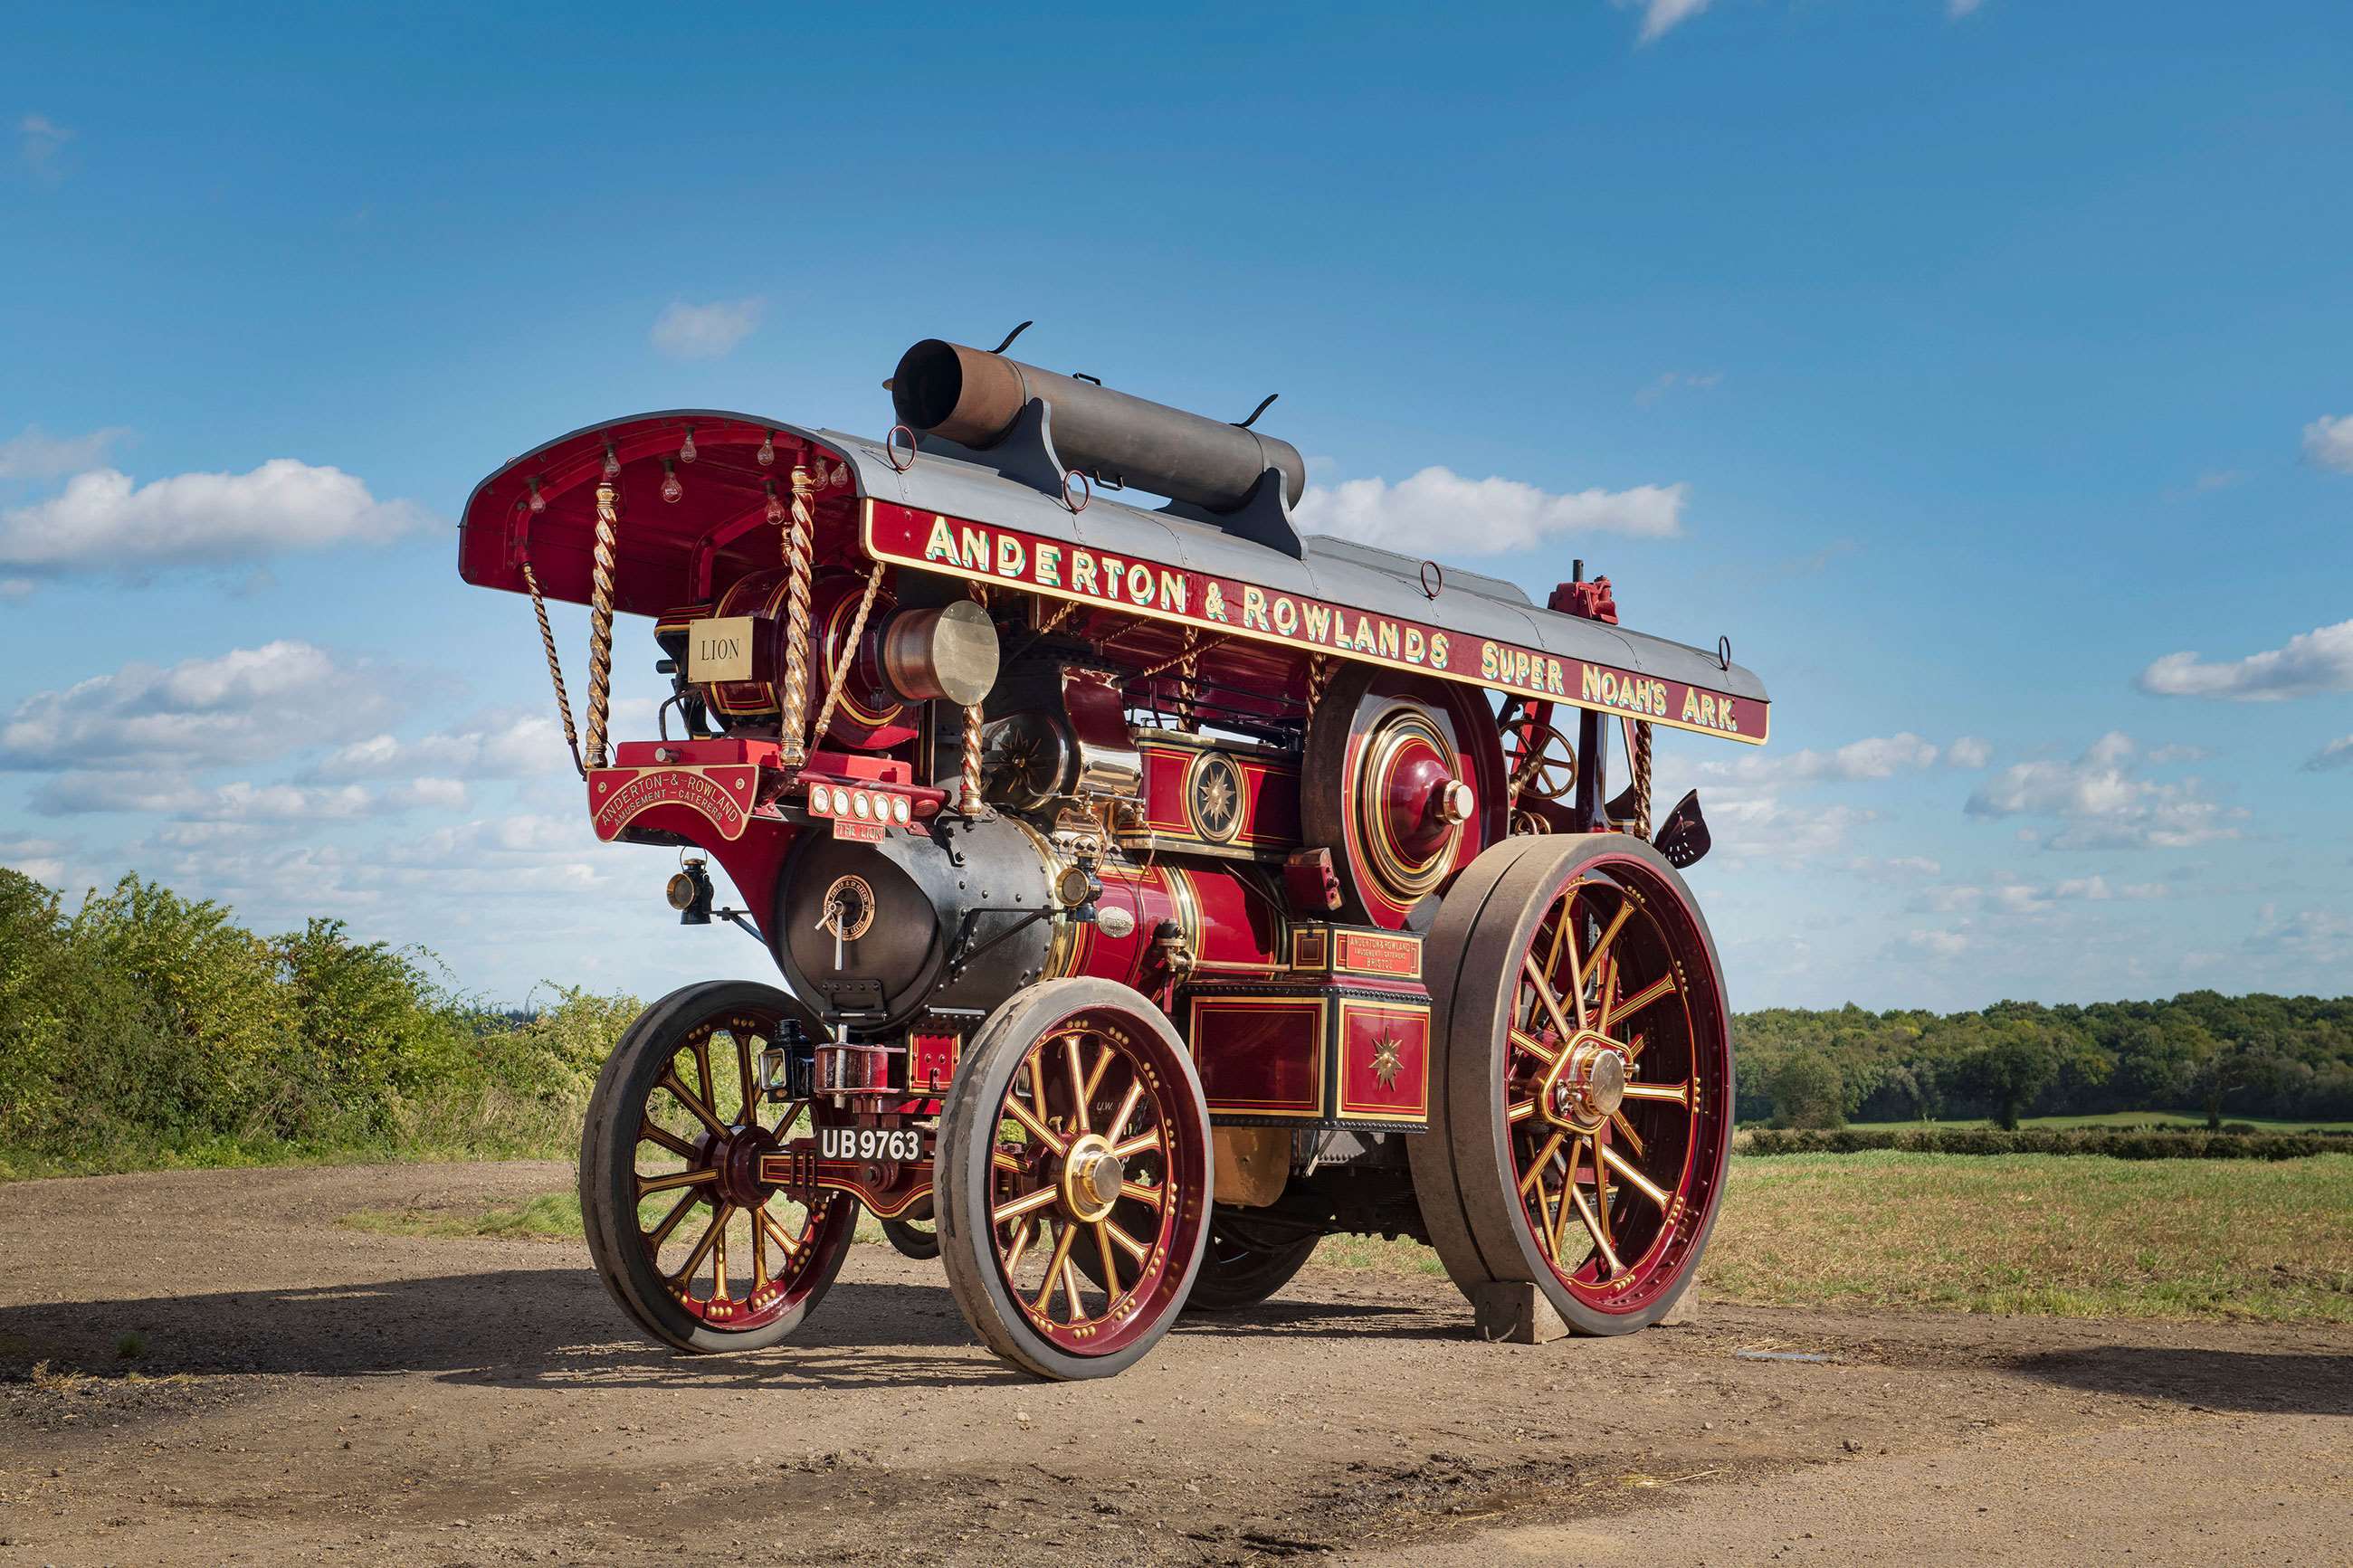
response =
{"points": [[1259, 1056], [1237, 926], [1270, 797], [1383, 1041]]}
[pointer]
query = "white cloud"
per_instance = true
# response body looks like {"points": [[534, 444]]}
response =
{"points": [[501, 745], [17, 588], [77, 793], [42, 859], [2319, 937], [2336, 755], [2103, 804], [1481, 517], [429, 794], [1968, 752], [244, 705], [1758, 826], [706, 331], [1659, 15], [42, 140], [2312, 662], [104, 522], [1956, 9], [2329, 443], [1881, 757], [38, 455], [2015, 896], [1937, 943]]}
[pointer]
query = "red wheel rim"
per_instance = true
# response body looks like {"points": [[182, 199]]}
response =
{"points": [[1617, 1094], [733, 1252], [1095, 1087]]}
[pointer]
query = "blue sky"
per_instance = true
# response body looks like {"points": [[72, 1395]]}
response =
{"points": [[1967, 365]]}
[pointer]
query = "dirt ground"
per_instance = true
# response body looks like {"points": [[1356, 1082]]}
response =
{"points": [[309, 1393]]}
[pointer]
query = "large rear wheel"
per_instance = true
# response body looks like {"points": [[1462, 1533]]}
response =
{"points": [[1581, 1107], [1074, 1121], [693, 1246]]}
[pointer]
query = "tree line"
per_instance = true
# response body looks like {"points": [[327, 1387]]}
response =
{"points": [[2202, 1053], [144, 1027]]}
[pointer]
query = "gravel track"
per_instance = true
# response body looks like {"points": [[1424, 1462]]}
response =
{"points": [[310, 1393]]}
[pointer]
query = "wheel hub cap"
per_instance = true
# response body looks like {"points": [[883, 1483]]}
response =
{"points": [[1588, 1085], [1092, 1178], [738, 1161]]}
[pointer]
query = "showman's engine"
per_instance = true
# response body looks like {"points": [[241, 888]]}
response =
{"points": [[1155, 890]]}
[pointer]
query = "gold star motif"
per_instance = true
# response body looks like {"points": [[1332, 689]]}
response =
{"points": [[1216, 800], [1386, 1061]]}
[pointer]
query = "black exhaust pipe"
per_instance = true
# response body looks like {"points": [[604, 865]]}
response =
{"points": [[971, 397]]}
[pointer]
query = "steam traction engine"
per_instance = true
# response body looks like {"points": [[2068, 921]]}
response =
{"points": [[1155, 891]]}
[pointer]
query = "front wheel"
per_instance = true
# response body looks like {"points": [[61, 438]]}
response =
{"points": [[693, 1243], [1074, 1121], [1580, 1113]]}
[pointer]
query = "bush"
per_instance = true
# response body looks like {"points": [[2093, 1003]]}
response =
{"points": [[1807, 1093], [148, 1029], [2119, 1143]]}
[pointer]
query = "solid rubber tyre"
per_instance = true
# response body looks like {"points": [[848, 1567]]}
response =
{"points": [[609, 1199], [972, 1175], [1468, 1167]]}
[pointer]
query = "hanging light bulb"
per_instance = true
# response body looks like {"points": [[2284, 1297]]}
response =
{"points": [[775, 507], [538, 501], [686, 450], [672, 489], [767, 452], [612, 462]]}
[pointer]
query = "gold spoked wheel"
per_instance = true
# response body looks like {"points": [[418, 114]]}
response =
{"points": [[1581, 1114], [702, 1252], [1543, 760], [1074, 1129]]}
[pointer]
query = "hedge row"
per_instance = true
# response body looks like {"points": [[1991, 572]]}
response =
{"points": [[2120, 1145]]}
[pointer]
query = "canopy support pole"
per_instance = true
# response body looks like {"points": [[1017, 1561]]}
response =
{"points": [[968, 796], [600, 620], [797, 532]]}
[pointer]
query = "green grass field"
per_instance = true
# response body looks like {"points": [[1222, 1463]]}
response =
{"points": [[2001, 1233]]}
